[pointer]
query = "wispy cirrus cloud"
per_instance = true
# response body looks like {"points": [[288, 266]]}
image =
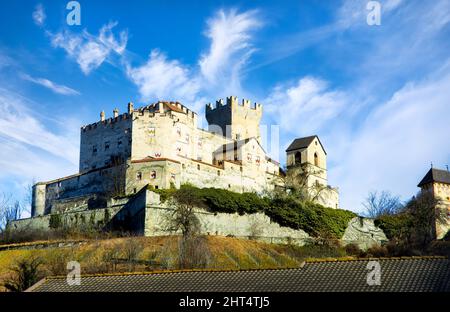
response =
{"points": [[34, 147], [59, 89], [309, 100], [91, 51], [161, 78], [231, 45], [394, 147], [15, 112], [39, 15], [219, 69]]}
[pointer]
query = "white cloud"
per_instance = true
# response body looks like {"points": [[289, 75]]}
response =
{"points": [[397, 142], [231, 45], [161, 78], [219, 70], [20, 126], [39, 15], [60, 89], [305, 107], [91, 51]]}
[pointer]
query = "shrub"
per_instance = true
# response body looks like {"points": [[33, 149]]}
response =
{"points": [[55, 221], [353, 250], [313, 218], [25, 274], [132, 248], [377, 251], [395, 226]]}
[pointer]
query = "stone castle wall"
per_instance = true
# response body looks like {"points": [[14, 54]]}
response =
{"points": [[144, 214], [105, 142]]}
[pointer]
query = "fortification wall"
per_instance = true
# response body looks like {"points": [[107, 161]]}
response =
{"points": [[89, 218], [100, 181], [256, 226], [105, 142], [360, 231]]}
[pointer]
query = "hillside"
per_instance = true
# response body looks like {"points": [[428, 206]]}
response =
{"points": [[159, 253]]}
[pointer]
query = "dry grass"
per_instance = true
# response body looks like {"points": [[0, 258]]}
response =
{"points": [[160, 253]]}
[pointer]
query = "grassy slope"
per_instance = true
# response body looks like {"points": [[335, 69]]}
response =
{"points": [[226, 253]]}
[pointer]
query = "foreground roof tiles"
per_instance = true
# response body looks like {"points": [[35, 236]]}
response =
{"points": [[397, 274]]}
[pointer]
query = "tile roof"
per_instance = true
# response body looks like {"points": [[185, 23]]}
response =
{"points": [[173, 106], [151, 159], [435, 175], [414, 274], [300, 143]]}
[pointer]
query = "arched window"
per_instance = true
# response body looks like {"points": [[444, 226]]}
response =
{"points": [[298, 158], [316, 160]]}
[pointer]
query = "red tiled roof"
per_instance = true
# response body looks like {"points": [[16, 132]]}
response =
{"points": [[150, 159]]}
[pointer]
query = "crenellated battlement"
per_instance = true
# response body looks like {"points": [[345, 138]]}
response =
{"points": [[160, 107], [235, 120], [106, 122], [232, 101]]}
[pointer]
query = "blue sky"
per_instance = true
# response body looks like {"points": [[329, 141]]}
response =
{"points": [[378, 96]]}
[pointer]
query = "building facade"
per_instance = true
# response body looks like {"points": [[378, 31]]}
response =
{"points": [[437, 182], [160, 145]]}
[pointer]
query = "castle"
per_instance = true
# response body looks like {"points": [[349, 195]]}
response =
{"points": [[160, 145], [437, 182]]}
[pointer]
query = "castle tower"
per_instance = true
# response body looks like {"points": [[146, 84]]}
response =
{"points": [[235, 120], [437, 181], [308, 153]]}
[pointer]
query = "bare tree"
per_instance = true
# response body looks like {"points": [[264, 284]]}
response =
{"points": [[183, 218], [298, 181], [10, 210], [381, 204], [133, 247], [193, 251], [426, 214]]}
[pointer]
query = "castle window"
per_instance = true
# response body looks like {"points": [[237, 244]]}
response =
{"points": [[153, 174], [106, 145], [94, 149], [241, 168], [119, 143], [183, 166], [198, 167], [316, 160], [218, 172], [139, 176], [298, 158]]}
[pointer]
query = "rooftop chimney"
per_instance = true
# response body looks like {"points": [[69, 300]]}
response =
{"points": [[115, 112], [102, 116], [130, 107]]}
